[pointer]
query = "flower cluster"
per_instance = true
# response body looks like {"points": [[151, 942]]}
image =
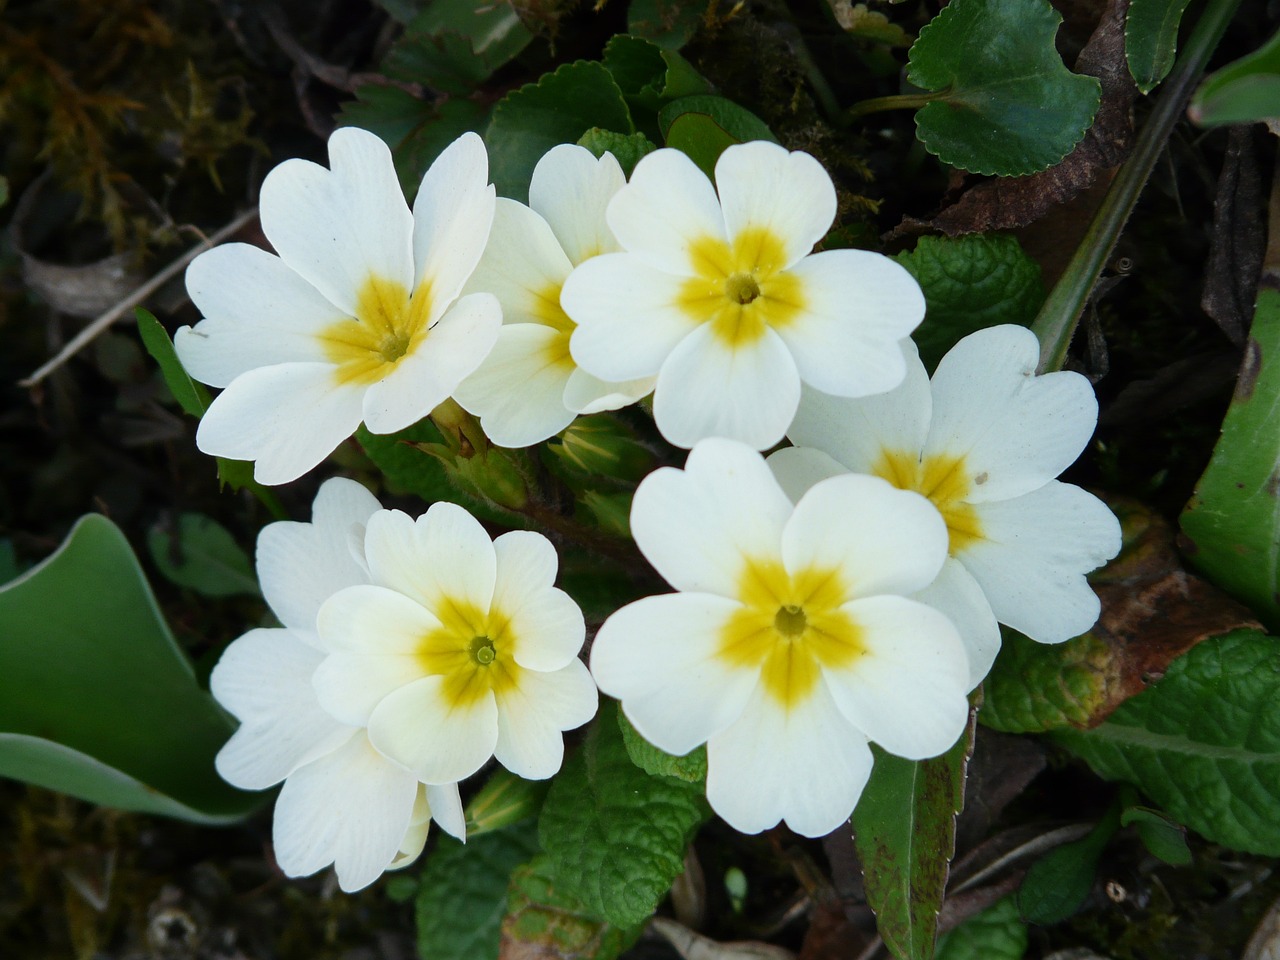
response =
{"points": [[846, 590]]}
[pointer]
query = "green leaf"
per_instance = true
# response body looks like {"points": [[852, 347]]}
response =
{"points": [[650, 76], [615, 836], [494, 33], [627, 148], [969, 283], [704, 126], [462, 894], [1245, 91], [1151, 39], [96, 699], [203, 555], [545, 922], [1058, 883], [559, 108], [668, 23], [905, 831], [191, 396], [655, 762], [1232, 521], [1034, 687], [1203, 742], [997, 933], [9, 566], [1003, 101], [1163, 837]]}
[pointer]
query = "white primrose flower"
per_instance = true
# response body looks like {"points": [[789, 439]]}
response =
{"points": [[459, 649], [357, 319], [790, 643], [529, 388], [721, 299], [984, 441], [342, 802]]}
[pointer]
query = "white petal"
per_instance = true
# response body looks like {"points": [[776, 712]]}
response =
{"points": [[1033, 555], [798, 468], [585, 393], [533, 716], [452, 215], [764, 187], [806, 766], [571, 189], [350, 686], [1018, 429], [699, 526], [440, 741], [545, 622], [339, 227], [667, 207], [907, 690], [879, 538], [256, 312], [958, 596], [707, 389], [445, 557], [264, 679], [660, 657], [522, 264], [858, 305], [628, 321], [287, 418], [518, 392], [857, 431], [301, 565], [351, 808], [453, 348], [375, 620], [446, 809]]}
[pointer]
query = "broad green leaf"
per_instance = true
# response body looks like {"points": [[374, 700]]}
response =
{"points": [[615, 836], [559, 108], [704, 126], [997, 933], [904, 828], [96, 699], [1151, 39], [1162, 837], [493, 31], [691, 767], [1203, 742], [668, 23], [969, 283], [1058, 883], [1232, 521], [1034, 687], [545, 922], [627, 148], [650, 76], [203, 555], [191, 396], [1003, 103], [462, 893], [505, 799], [1245, 91]]}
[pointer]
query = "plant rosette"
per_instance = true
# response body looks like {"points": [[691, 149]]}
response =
{"points": [[342, 803], [791, 642], [459, 648], [359, 317], [721, 299], [984, 440], [529, 388]]}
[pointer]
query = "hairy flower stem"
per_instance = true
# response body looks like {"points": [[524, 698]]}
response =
{"points": [[1056, 322]]}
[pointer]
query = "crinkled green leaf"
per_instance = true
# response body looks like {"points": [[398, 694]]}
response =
{"points": [[1245, 91], [691, 767], [1232, 522], [1151, 39], [1005, 104], [547, 923], [1203, 742], [559, 108], [668, 23], [905, 832], [191, 396], [1058, 883], [614, 835], [997, 933], [1163, 837], [969, 283], [96, 699], [627, 148], [1033, 687], [203, 555], [650, 76], [462, 893], [704, 126]]}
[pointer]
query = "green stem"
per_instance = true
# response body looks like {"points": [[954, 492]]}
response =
{"points": [[1056, 322], [899, 101]]}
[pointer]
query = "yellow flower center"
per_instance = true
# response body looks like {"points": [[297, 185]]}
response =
{"points": [[546, 308], [389, 325], [946, 481], [741, 289], [472, 651], [789, 628]]}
